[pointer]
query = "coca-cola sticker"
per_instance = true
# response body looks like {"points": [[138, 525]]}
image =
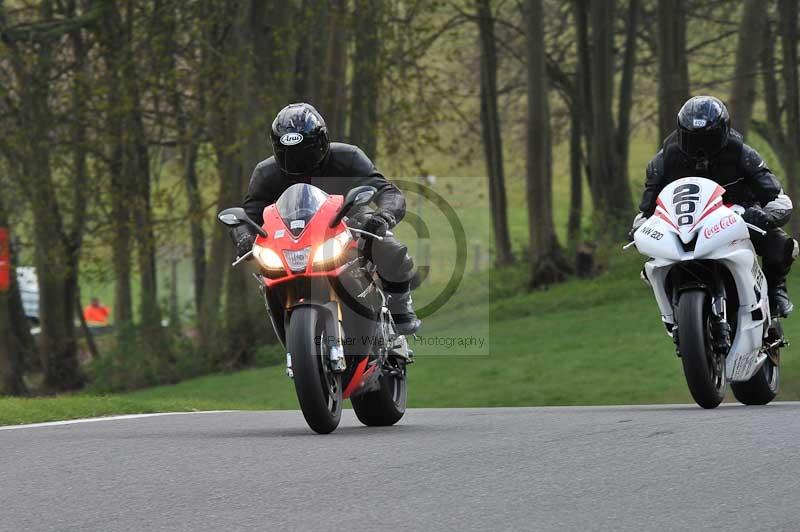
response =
{"points": [[720, 226]]}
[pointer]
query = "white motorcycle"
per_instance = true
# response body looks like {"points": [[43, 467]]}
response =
{"points": [[712, 293]]}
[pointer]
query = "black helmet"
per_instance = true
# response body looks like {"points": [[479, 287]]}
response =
{"points": [[299, 139], [703, 126]]}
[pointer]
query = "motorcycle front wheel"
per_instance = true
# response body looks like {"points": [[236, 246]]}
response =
{"points": [[319, 389], [703, 368]]}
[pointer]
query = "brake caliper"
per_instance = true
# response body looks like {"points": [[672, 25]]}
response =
{"points": [[720, 328]]}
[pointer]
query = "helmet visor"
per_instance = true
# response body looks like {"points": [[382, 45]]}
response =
{"points": [[701, 144], [297, 160]]}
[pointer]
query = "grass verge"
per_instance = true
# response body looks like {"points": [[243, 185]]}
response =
{"points": [[598, 341]]}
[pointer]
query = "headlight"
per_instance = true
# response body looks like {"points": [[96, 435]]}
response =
{"points": [[268, 259], [332, 249], [297, 259]]}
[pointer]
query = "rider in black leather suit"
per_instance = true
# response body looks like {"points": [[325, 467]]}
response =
{"points": [[304, 154], [704, 145]]}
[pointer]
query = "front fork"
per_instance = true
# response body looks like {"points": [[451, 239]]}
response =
{"points": [[334, 343], [336, 350], [720, 328]]}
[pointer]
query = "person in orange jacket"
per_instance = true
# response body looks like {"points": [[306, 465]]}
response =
{"points": [[96, 314]]}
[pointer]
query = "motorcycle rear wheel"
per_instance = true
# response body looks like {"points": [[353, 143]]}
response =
{"points": [[319, 390], [704, 370], [762, 387], [385, 406]]}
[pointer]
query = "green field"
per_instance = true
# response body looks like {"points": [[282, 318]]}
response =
{"points": [[598, 341]]}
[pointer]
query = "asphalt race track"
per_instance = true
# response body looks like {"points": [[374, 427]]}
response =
{"points": [[660, 468]]}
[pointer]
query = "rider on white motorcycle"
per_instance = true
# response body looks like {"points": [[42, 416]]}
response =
{"points": [[704, 145]]}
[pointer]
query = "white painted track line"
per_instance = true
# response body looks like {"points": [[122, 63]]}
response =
{"points": [[106, 418]]}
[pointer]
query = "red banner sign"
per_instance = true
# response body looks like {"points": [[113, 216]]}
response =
{"points": [[5, 260]]}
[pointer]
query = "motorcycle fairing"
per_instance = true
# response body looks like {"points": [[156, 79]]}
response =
{"points": [[362, 372], [316, 231], [721, 235], [685, 203]]}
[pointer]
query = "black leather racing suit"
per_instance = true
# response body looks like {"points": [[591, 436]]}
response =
{"points": [[345, 167], [747, 181]]}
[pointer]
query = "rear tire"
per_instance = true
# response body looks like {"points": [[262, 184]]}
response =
{"points": [[385, 406], [704, 370], [319, 390], [762, 387]]}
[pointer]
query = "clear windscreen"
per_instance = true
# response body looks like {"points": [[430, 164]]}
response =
{"points": [[298, 204]]}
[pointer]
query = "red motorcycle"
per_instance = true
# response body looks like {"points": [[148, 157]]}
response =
{"points": [[327, 307]]}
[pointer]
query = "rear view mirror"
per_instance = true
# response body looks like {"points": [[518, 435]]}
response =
{"points": [[360, 196], [356, 196], [236, 216]]}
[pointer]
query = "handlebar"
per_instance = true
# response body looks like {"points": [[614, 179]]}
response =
{"points": [[243, 258], [372, 235], [756, 228]]}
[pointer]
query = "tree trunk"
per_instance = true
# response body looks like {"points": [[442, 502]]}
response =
{"points": [[196, 230], [117, 38], [748, 50], [771, 130], [263, 51], [239, 323], [239, 143], [80, 180], [121, 223], [783, 142], [221, 252], [673, 69], [622, 137], [56, 287], [14, 343], [110, 34], [584, 82], [94, 352], [189, 125], [138, 173], [217, 57], [333, 104], [492, 142], [57, 277], [576, 177], [546, 261], [367, 76], [612, 193], [788, 10], [310, 52]]}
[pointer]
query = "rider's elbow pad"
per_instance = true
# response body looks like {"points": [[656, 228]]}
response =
{"points": [[779, 209]]}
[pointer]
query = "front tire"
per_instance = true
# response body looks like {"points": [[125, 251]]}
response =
{"points": [[385, 406], [704, 369], [319, 390]]}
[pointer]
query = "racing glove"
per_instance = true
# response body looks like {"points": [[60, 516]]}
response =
{"points": [[244, 237], [637, 223], [379, 222], [758, 217]]}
